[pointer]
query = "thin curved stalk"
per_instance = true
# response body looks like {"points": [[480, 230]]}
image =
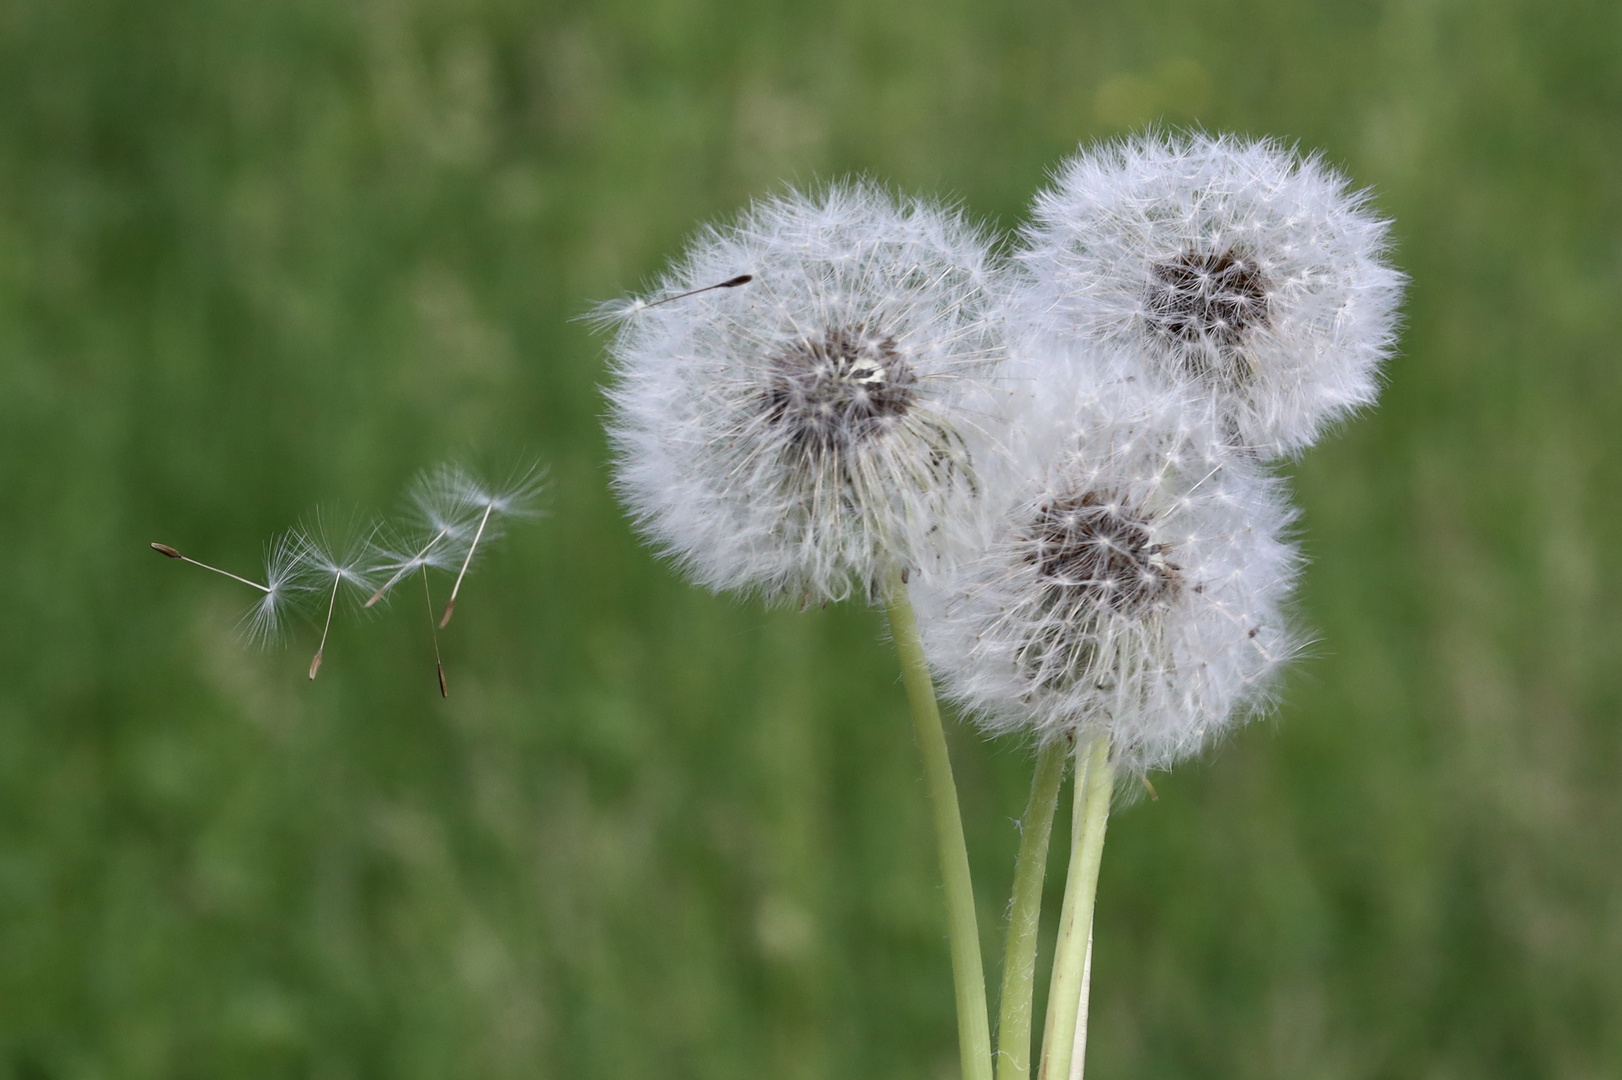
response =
{"points": [[1025, 915], [1095, 781], [968, 974]]}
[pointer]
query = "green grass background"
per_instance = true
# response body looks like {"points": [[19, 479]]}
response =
{"points": [[256, 258]]}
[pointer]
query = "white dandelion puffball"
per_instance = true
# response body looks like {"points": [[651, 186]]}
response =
{"points": [[1229, 265], [1133, 587], [801, 432]]}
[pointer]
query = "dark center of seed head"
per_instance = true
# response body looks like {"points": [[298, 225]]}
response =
{"points": [[1207, 301], [839, 388], [1094, 552]]}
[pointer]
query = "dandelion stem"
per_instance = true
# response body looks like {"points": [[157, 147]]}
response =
{"points": [[315, 662], [439, 665], [165, 549], [411, 564], [974, 1029], [1078, 1047], [1025, 914], [450, 605], [1067, 994]]}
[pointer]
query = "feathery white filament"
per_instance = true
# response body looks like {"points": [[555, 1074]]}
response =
{"points": [[452, 511]]}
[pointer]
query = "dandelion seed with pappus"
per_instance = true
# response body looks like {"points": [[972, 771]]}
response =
{"points": [[816, 416], [1233, 266], [286, 583], [337, 561], [454, 514]]}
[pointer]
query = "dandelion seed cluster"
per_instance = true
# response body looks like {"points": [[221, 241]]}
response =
{"points": [[320, 566], [1071, 446], [452, 516]]}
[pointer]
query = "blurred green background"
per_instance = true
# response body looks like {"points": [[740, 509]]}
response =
{"points": [[260, 257]]}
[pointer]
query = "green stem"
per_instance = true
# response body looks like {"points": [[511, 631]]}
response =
{"points": [[1095, 781], [1078, 1052], [1025, 915], [973, 1027]]}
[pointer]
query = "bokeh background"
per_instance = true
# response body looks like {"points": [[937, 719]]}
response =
{"points": [[257, 258]]}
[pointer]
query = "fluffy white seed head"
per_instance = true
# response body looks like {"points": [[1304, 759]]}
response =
{"points": [[795, 434], [1233, 267], [1132, 587]]}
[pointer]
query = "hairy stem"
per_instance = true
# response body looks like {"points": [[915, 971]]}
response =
{"points": [[1025, 915], [973, 1027], [1095, 781]]}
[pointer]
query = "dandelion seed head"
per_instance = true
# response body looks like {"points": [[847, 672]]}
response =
{"points": [[1236, 267], [1134, 586], [794, 434], [1204, 306]]}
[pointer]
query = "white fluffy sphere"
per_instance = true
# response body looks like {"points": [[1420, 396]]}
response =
{"points": [[798, 434], [1232, 267], [1133, 586]]}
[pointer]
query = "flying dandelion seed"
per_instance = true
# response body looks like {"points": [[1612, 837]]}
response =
{"points": [[458, 487], [286, 584], [341, 560], [611, 313], [454, 515]]}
